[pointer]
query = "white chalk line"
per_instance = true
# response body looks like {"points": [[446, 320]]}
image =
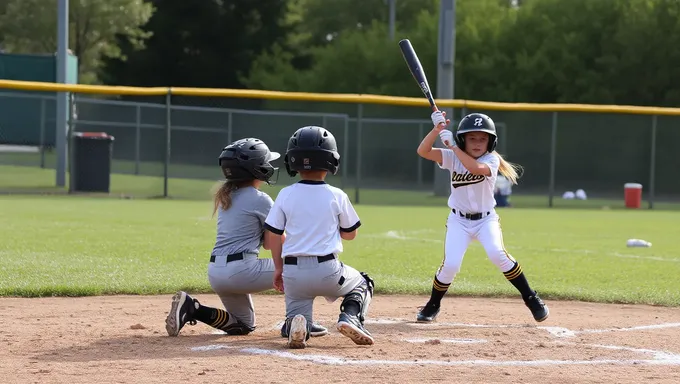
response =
{"points": [[399, 236], [405, 235], [435, 340], [464, 325], [555, 331], [564, 332], [658, 357], [278, 325], [559, 332], [334, 360], [636, 328]]}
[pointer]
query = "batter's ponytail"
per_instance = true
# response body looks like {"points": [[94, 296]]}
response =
{"points": [[223, 194], [508, 169]]}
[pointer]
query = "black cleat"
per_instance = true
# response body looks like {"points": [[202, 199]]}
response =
{"points": [[316, 330], [537, 307], [352, 327], [181, 312], [238, 329], [428, 313]]}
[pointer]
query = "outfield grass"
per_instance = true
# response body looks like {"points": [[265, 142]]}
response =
{"points": [[26, 179], [66, 245]]}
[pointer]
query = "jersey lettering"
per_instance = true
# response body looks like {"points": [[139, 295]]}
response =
{"points": [[463, 179], [478, 194]]}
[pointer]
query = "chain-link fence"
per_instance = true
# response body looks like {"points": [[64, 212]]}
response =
{"points": [[168, 145]]}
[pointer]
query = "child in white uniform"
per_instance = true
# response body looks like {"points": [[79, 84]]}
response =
{"points": [[474, 165], [316, 217]]}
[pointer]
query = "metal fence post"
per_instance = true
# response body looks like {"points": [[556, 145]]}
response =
{"points": [[345, 153], [420, 159], [652, 163], [168, 125], [553, 150], [42, 133], [360, 112], [138, 137], [70, 130]]}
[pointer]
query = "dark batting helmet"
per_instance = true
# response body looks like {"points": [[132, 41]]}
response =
{"points": [[248, 159], [312, 148], [477, 122]]}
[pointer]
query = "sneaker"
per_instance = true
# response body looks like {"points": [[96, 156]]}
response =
{"points": [[297, 336], [316, 330], [428, 313], [537, 307], [351, 327], [181, 312]]}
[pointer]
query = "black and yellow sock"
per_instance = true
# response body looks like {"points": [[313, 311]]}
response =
{"points": [[214, 317], [516, 277], [438, 291]]}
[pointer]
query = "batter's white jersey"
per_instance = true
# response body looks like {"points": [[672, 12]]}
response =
{"points": [[470, 193]]}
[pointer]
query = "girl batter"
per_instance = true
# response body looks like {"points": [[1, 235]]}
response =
{"points": [[474, 165]]}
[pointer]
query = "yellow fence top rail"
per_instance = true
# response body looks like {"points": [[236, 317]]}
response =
{"points": [[332, 97], [82, 88]]}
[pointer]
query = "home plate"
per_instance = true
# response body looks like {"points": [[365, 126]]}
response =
{"points": [[450, 341]]}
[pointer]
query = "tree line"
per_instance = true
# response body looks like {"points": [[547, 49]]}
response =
{"points": [[564, 51]]}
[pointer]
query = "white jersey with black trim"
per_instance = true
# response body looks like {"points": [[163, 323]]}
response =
{"points": [[470, 193], [312, 213]]}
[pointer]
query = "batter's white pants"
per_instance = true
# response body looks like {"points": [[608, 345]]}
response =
{"points": [[460, 232]]}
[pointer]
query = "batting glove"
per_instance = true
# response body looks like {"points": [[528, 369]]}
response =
{"points": [[438, 118], [447, 137]]}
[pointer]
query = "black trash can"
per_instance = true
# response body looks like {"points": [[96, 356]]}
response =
{"points": [[91, 162]]}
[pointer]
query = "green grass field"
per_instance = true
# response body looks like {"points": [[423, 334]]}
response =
{"points": [[33, 180], [68, 245]]}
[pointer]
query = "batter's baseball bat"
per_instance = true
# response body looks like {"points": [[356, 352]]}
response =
{"points": [[416, 70]]}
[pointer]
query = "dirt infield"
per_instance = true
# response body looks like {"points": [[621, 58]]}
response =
{"points": [[122, 339]]}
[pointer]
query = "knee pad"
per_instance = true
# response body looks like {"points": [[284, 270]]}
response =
{"points": [[369, 282], [362, 295]]}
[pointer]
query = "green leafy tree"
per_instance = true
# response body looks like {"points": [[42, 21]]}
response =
{"points": [[364, 60], [326, 20], [30, 26]]}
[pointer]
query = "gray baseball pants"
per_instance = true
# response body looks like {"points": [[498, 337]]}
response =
{"points": [[309, 278], [234, 281]]}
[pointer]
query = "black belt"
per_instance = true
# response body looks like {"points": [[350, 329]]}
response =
{"points": [[472, 216], [230, 258], [290, 260]]}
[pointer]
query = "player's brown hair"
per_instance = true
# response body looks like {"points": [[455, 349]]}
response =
{"points": [[222, 194], [508, 169]]}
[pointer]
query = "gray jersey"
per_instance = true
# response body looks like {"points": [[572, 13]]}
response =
{"points": [[240, 228]]}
